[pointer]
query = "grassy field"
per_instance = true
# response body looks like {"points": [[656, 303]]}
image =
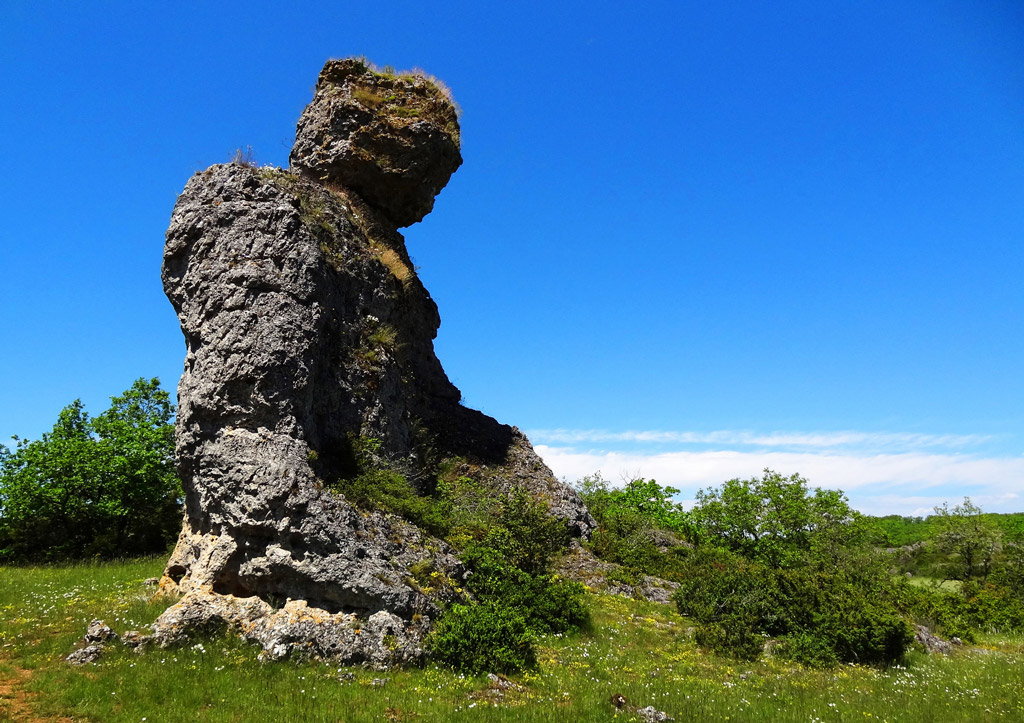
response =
{"points": [[642, 651]]}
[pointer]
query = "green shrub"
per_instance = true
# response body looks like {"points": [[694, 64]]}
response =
{"points": [[557, 606], [483, 638], [622, 537], [734, 635], [991, 607], [527, 534], [508, 545], [720, 584], [646, 498], [506, 541], [548, 605], [824, 614], [809, 649], [387, 490], [626, 531], [867, 633]]}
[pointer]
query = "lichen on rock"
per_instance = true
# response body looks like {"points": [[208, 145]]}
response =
{"points": [[308, 331]]}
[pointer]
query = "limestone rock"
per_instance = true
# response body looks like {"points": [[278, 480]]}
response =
{"points": [[88, 654], [650, 714], [296, 629], [394, 140], [135, 640], [932, 643], [308, 334], [94, 642], [99, 632]]}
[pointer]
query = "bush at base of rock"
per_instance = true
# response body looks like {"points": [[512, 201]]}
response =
{"points": [[483, 637], [509, 555], [388, 490], [547, 604]]}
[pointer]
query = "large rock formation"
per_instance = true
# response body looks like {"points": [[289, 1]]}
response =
{"points": [[309, 343]]}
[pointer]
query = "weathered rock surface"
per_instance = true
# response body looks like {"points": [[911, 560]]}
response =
{"points": [[932, 643], [394, 140], [650, 714], [379, 640], [88, 654], [581, 566], [94, 642], [99, 632], [309, 333]]}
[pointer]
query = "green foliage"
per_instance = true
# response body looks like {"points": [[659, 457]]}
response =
{"points": [[508, 545], [629, 521], [721, 585], [646, 499], [469, 506], [733, 635], [508, 542], [387, 490], [823, 612], [774, 519], [778, 560], [897, 531], [810, 649], [548, 604], [1010, 573], [623, 537], [861, 630], [968, 538], [103, 486], [483, 637], [526, 534], [991, 606]]}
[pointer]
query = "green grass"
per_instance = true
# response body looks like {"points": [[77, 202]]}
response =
{"points": [[934, 582], [641, 650]]}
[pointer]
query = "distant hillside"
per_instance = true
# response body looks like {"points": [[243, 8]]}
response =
{"points": [[897, 531]]}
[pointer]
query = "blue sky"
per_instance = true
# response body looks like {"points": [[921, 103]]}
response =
{"points": [[689, 240]]}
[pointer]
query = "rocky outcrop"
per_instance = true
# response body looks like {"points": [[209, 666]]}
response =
{"points": [[309, 343], [394, 140], [95, 641], [931, 642], [580, 565]]}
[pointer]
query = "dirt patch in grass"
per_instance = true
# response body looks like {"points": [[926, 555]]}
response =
{"points": [[15, 701]]}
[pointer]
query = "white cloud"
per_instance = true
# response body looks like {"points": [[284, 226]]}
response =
{"points": [[741, 438], [905, 483]]}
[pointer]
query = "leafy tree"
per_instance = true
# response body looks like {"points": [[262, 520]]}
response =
{"points": [[645, 498], [841, 606], [969, 537], [774, 519], [775, 558], [631, 525], [103, 486]]}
